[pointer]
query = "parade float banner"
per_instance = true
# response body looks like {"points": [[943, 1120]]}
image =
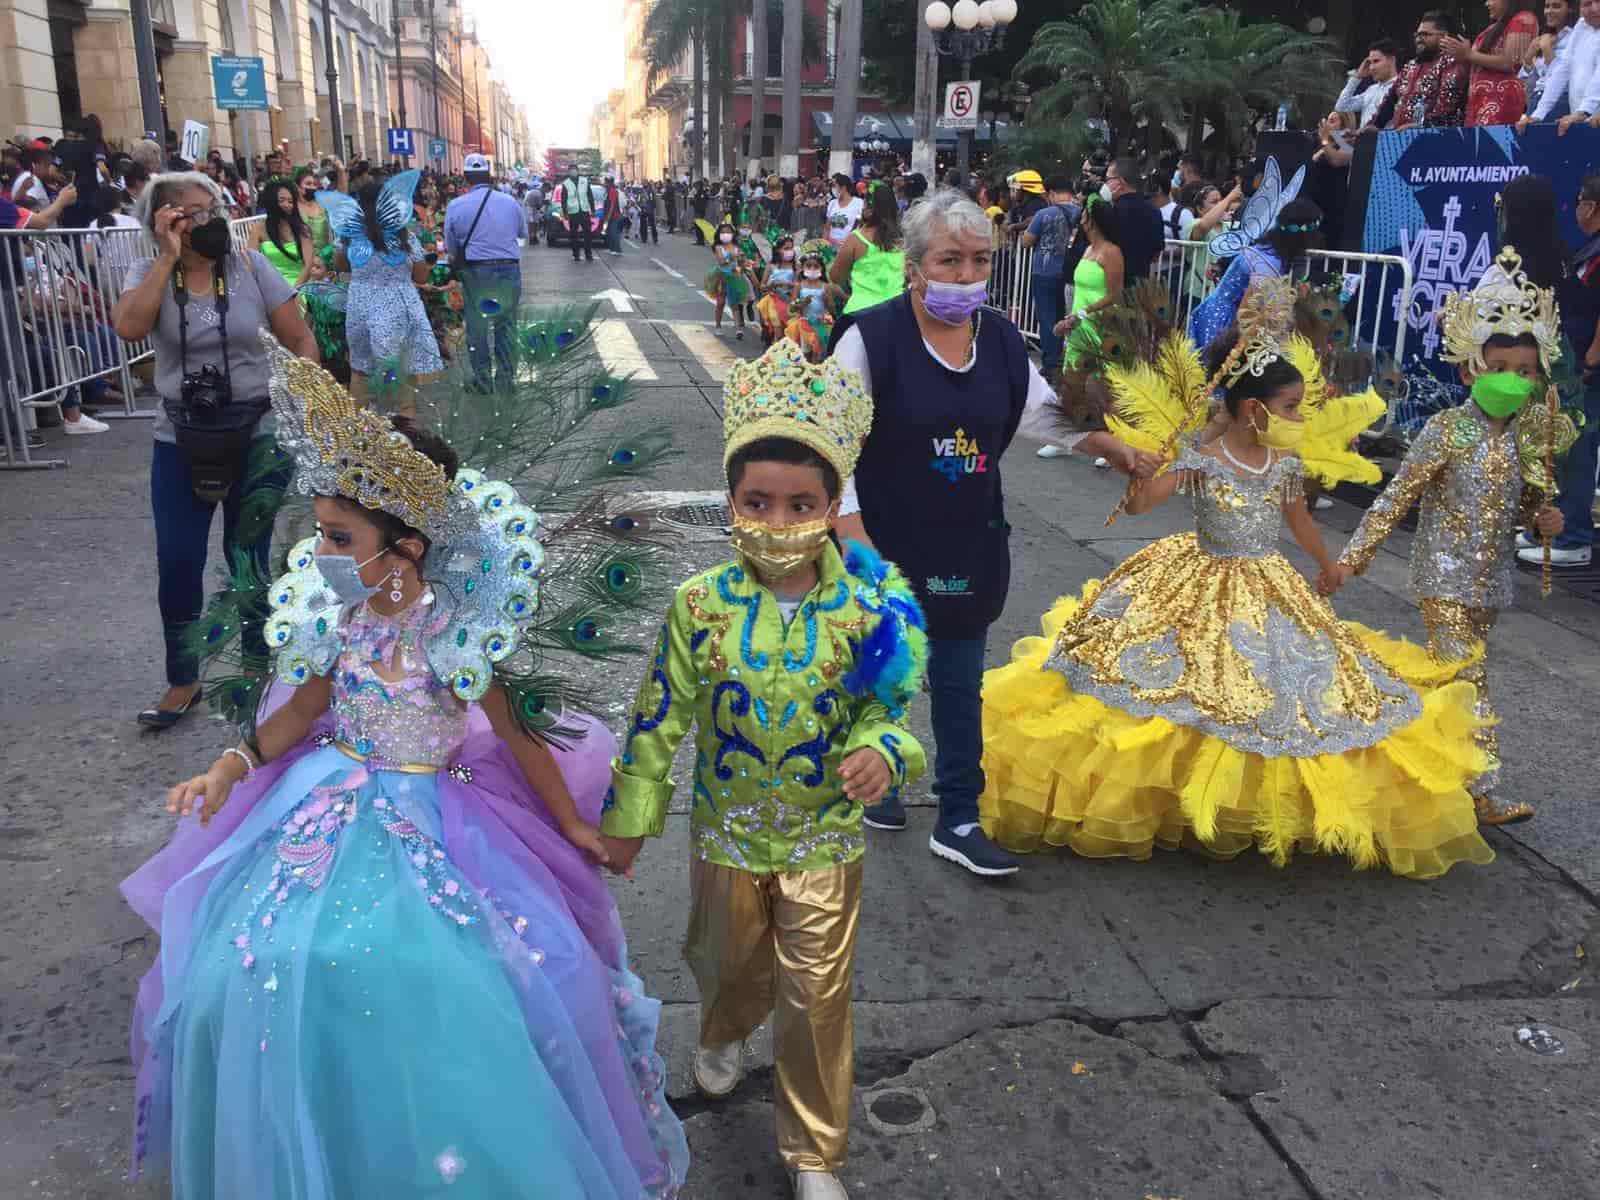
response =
{"points": [[1432, 202]]}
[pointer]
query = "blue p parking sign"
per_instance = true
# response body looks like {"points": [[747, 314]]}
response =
{"points": [[436, 148], [400, 143]]}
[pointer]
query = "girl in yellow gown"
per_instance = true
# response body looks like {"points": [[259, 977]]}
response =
{"points": [[1203, 693]]}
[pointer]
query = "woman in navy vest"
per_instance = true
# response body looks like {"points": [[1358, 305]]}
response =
{"points": [[952, 384]]}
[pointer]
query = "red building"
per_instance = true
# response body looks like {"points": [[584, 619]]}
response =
{"points": [[816, 93]]}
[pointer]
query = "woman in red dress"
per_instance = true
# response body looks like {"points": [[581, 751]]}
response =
{"points": [[1495, 95]]}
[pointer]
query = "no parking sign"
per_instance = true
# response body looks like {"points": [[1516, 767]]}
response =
{"points": [[960, 105]]}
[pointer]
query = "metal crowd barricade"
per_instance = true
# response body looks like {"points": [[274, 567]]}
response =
{"points": [[55, 324], [1375, 295], [1011, 288]]}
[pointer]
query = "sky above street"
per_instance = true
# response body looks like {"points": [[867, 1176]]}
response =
{"points": [[558, 60]]}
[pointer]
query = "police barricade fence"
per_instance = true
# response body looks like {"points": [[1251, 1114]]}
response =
{"points": [[56, 339], [1375, 293]]}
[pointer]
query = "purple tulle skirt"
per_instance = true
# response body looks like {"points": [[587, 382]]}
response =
{"points": [[374, 983]]}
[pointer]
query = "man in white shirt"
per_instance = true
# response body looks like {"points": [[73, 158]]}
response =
{"points": [[32, 188], [1381, 67], [1575, 75]]}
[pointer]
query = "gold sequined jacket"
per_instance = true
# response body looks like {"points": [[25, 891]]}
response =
{"points": [[774, 722], [1470, 484]]}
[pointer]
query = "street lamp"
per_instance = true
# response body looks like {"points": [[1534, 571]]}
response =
{"points": [[963, 31]]}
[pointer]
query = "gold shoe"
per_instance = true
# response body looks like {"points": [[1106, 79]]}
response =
{"points": [[1493, 812]]}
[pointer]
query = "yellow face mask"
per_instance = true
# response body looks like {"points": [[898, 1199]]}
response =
{"points": [[1280, 433], [778, 553]]}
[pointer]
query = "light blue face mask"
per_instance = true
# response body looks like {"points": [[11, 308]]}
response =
{"points": [[342, 574]]}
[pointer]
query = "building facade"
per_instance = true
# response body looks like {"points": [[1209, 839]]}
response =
{"points": [[659, 111], [63, 59], [66, 59]]}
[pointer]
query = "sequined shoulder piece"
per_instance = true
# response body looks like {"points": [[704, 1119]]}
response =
{"points": [[1287, 468], [302, 627], [487, 584]]}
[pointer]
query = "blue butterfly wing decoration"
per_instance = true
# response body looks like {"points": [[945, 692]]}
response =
{"points": [[395, 212], [1260, 211], [348, 225]]}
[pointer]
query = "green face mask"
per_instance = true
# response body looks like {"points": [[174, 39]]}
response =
{"points": [[1501, 394]]}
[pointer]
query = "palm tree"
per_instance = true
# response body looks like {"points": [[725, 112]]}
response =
{"points": [[794, 15], [671, 28], [846, 85], [1228, 72], [758, 78], [1113, 60]]}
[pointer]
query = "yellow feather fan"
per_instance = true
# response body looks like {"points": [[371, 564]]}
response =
{"points": [[1152, 402], [1332, 422]]}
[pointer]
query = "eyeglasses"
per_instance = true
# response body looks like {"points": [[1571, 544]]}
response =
{"points": [[203, 216]]}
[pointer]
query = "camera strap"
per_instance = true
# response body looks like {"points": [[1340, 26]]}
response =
{"points": [[219, 290]]}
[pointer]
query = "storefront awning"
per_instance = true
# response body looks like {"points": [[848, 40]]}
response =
{"points": [[898, 128]]}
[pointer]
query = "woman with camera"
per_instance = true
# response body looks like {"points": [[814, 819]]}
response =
{"points": [[203, 308]]}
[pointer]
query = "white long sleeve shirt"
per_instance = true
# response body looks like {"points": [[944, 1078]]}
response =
{"points": [[1365, 104], [1574, 74], [1038, 422]]}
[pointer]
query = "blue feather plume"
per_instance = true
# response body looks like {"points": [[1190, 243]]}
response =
{"points": [[891, 658]]}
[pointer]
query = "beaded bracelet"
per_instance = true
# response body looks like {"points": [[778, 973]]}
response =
{"points": [[249, 766]]}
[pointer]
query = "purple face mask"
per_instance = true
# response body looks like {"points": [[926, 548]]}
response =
{"points": [[954, 303]]}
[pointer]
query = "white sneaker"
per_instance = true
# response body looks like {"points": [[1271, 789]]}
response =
{"points": [[84, 424], [1102, 464], [1052, 451], [1526, 541], [718, 1069], [1323, 502], [818, 1185], [1558, 557]]}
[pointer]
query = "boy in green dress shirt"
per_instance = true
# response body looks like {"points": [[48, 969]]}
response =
{"points": [[796, 666]]}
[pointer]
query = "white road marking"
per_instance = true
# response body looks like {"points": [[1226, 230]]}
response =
{"points": [[621, 300], [712, 354], [667, 269], [620, 351]]}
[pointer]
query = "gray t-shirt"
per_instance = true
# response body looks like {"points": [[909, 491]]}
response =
{"points": [[254, 292]]}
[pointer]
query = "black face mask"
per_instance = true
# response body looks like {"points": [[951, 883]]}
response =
{"points": [[212, 240]]}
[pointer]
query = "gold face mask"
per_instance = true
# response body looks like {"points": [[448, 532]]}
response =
{"points": [[778, 553]]}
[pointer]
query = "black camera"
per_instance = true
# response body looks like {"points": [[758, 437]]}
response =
{"points": [[206, 392]]}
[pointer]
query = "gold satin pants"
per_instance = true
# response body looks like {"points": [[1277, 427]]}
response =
{"points": [[1455, 631], [785, 944]]}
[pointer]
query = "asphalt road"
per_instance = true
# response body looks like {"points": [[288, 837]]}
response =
{"points": [[1085, 1031]]}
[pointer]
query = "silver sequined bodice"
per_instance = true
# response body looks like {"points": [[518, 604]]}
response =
{"points": [[1467, 483], [414, 720], [1237, 515]]}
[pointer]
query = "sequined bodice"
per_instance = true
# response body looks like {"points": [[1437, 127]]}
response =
{"points": [[812, 295], [413, 720], [1238, 515]]}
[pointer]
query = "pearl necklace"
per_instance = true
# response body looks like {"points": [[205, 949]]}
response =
{"points": [[1245, 467]]}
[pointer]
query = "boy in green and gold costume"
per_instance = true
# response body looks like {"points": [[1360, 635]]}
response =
{"points": [[796, 666]]}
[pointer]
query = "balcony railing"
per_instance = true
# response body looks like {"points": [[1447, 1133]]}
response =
{"points": [[747, 67]]}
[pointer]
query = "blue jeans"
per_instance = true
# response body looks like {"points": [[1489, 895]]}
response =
{"points": [[955, 681], [1048, 294], [503, 282], [1577, 476], [183, 528], [614, 235]]}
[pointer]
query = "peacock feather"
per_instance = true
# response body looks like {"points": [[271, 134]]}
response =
{"points": [[553, 456]]}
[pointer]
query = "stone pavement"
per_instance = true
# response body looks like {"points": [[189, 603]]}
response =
{"points": [[1086, 1031]]}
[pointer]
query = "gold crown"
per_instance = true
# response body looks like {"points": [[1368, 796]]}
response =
{"points": [[342, 449], [780, 394], [1507, 302], [1266, 321]]}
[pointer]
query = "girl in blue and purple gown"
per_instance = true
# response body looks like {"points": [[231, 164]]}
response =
{"points": [[389, 965]]}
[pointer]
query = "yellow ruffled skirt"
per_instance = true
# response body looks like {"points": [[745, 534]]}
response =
{"points": [[1218, 703]]}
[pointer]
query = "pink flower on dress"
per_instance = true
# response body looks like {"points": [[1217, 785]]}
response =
{"points": [[451, 887]]}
